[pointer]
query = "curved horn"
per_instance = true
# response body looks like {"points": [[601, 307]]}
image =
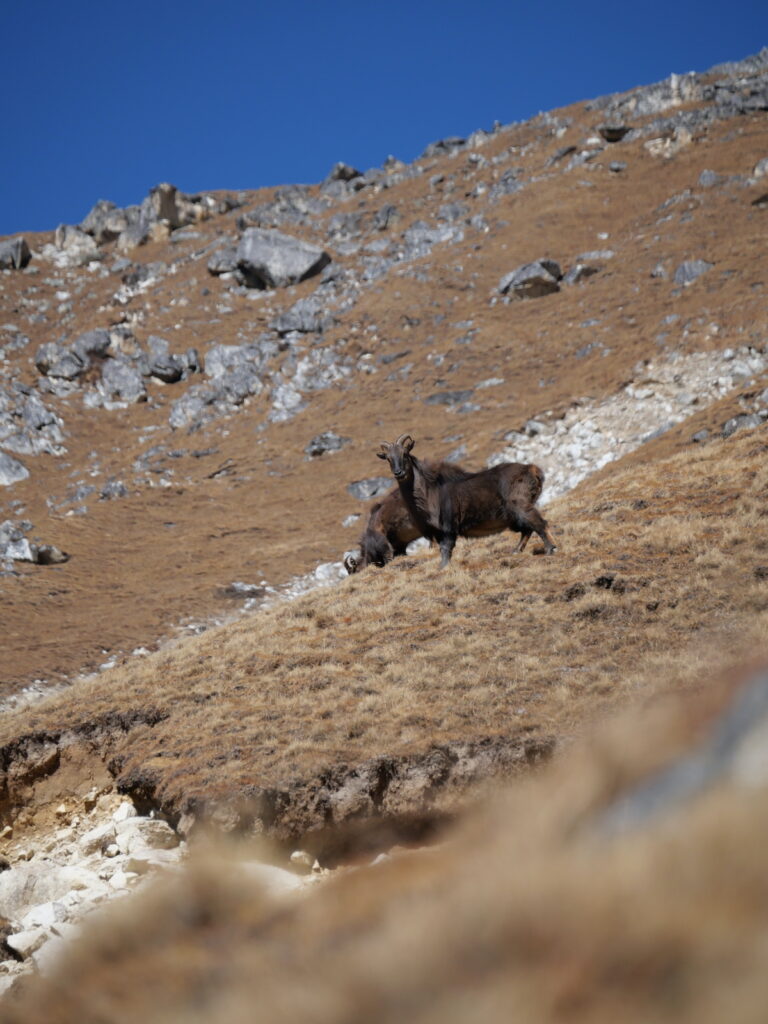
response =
{"points": [[406, 441]]}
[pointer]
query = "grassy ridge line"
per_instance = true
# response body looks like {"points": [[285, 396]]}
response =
{"points": [[657, 565]]}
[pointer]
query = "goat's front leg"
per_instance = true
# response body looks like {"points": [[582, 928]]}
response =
{"points": [[447, 544], [525, 536]]}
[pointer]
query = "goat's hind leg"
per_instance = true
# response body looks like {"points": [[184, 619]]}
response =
{"points": [[525, 536]]}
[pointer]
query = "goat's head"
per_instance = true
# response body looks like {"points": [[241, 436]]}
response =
{"points": [[397, 455], [351, 564]]}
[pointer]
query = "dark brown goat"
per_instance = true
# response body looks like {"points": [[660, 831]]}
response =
{"points": [[389, 531], [390, 528], [496, 499]]}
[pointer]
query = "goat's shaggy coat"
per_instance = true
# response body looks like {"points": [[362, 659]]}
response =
{"points": [[391, 528], [476, 505]]}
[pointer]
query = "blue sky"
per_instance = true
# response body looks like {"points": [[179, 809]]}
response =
{"points": [[105, 100]]}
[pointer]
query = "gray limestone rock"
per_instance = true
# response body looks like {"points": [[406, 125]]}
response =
{"points": [[75, 245], [11, 470], [121, 382], [92, 343], [270, 259], [55, 360], [224, 261], [307, 316], [449, 397], [532, 280], [14, 253], [325, 442], [161, 364], [741, 422], [579, 272], [689, 270], [371, 487], [105, 221]]}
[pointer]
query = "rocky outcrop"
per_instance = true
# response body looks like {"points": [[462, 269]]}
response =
{"points": [[102, 848], [663, 393]]}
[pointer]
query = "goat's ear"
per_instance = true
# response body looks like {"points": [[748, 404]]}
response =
{"points": [[381, 455]]}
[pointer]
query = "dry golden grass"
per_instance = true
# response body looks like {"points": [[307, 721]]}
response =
{"points": [[655, 578], [526, 913]]}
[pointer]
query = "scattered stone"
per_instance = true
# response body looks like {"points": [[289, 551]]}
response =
{"points": [[121, 384], [11, 470], [343, 172], [270, 259], [324, 443], [142, 861], [449, 397], [707, 179], [532, 280], [613, 132], [579, 272], [134, 834], [124, 811], [73, 247], [54, 360], [689, 270], [14, 253], [105, 222], [92, 343], [113, 489], [97, 839], [741, 422], [161, 364], [44, 915], [25, 943], [307, 316], [224, 261], [372, 487], [560, 154]]}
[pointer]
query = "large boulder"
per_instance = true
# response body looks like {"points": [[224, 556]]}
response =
{"points": [[161, 364], [105, 221], [270, 259], [14, 253], [121, 382], [224, 261], [55, 360], [532, 280], [74, 247], [92, 343], [11, 470]]}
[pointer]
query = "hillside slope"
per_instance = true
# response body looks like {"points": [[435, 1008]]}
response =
{"points": [[405, 329]]}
